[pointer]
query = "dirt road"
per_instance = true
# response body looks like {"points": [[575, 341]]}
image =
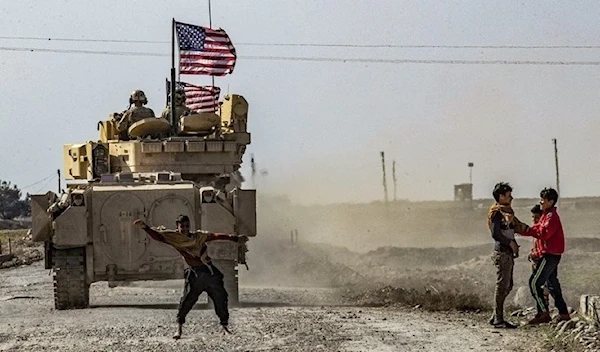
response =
{"points": [[140, 318]]}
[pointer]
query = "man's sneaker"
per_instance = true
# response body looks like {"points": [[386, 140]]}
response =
{"points": [[540, 318], [177, 335], [491, 321], [564, 317], [504, 325]]}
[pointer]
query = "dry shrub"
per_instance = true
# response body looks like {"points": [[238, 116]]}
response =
{"points": [[432, 300]]}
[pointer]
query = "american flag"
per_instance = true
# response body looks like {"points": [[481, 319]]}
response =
{"points": [[204, 51], [198, 98]]}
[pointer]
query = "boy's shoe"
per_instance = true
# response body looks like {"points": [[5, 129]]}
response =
{"points": [[540, 318], [504, 325], [564, 317]]}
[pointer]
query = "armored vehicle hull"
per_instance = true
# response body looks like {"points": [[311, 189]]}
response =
{"points": [[89, 233]]}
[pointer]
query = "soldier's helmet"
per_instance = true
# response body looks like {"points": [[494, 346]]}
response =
{"points": [[138, 95], [180, 97]]}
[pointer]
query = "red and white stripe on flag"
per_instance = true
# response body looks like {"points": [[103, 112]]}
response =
{"points": [[204, 51], [201, 99]]}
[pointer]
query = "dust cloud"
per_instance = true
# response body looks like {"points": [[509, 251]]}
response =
{"points": [[406, 249]]}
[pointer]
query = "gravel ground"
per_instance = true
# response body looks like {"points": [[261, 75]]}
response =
{"points": [[139, 317]]}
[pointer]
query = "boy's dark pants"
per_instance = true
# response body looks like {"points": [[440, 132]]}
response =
{"points": [[198, 280], [547, 273], [533, 270], [504, 263]]}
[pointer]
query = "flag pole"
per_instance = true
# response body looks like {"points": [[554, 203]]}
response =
{"points": [[209, 16], [172, 117], [167, 90], [210, 26]]}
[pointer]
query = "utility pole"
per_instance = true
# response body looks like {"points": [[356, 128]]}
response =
{"points": [[385, 193], [253, 167], [58, 172], [556, 165], [394, 177], [470, 165]]}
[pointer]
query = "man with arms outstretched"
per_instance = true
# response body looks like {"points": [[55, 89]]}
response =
{"points": [[200, 275]]}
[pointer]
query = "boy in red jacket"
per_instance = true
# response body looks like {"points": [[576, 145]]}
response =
{"points": [[548, 249], [536, 215]]}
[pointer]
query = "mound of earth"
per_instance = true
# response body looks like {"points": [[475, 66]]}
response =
{"points": [[429, 299], [468, 270], [24, 252]]}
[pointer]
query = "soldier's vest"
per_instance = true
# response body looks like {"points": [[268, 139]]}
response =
{"points": [[137, 113], [179, 111]]}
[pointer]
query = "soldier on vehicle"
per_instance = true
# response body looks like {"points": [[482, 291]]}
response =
{"points": [[180, 108], [136, 112], [201, 275]]}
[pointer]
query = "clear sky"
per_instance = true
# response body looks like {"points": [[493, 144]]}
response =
{"points": [[318, 127]]}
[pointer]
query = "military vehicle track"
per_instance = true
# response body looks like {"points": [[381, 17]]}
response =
{"points": [[70, 287]]}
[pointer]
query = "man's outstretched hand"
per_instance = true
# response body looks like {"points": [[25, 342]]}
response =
{"points": [[520, 227], [140, 223]]}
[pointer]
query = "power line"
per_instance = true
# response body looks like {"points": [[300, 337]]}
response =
{"points": [[325, 59], [82, 40], [428, 46], [79, 51], [318, 45], [430, 61], [40, 181], [43, 186]]}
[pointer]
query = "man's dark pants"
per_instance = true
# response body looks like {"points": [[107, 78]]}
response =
{"points": [[504, 263], [198, 280], [547, 272]]}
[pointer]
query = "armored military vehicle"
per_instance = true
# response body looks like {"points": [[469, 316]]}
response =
{"points": [[155, 171]]}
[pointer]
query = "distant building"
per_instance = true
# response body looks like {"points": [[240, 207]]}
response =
{"points": [[463, 192]]}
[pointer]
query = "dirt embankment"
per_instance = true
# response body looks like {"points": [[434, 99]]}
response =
{"points": [[418, 247], [468, 271], [18, 249]]}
